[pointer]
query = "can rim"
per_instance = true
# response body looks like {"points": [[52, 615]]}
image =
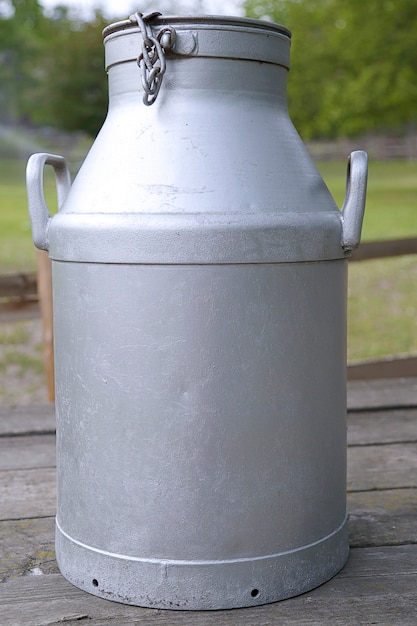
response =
{"points": [[213, 21]]}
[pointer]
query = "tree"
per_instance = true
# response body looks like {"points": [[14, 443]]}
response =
{"points": [[21, 26], [52, 68], [74, 85], [353, 66]]}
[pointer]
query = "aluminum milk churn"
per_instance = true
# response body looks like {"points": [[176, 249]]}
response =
{"points": [[199, 285]]}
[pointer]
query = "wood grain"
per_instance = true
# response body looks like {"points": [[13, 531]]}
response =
{"points": [[18, 285], [377, 586], [27, 545], [375, 519], [382, 467], [363, 395], [27, 493], [27, 420], [27, 452], [382, 518], [382, 427], [392, 367], [384, 249]]}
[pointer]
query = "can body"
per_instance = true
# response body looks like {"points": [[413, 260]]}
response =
{"points": [[201, 462], [199, 281]]}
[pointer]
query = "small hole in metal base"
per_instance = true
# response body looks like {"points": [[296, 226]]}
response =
{"points": [[95, 582], [254, 593]]}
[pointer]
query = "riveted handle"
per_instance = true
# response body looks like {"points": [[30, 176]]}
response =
{"points": [[38, 209], [354, 205]]}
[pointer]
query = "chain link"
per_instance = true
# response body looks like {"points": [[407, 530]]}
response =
{"points": [[151, 60]]}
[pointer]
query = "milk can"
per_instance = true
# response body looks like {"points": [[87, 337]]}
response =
{"points": [[199, 285]]}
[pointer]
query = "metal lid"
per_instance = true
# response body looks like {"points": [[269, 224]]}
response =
{"points": [[209, 21], [201, 36]]}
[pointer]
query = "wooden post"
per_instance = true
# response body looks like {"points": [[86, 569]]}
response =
{"points": [[44, 275]]}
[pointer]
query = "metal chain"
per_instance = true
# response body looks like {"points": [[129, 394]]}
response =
{"points": [[151, 60]]}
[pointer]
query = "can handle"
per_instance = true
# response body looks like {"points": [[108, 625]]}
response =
{"points": [[354, 205], [38, 209]]}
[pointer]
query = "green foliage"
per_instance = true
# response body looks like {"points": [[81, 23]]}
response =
{"points": [[19, 44], [353, 66], [17, 252], [382, 308], [391, 197], [76, 87], [52, 68]]}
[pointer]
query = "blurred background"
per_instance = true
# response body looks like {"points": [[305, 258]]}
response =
{"points": [[352, 85]]}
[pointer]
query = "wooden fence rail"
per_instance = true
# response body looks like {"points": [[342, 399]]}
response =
{"points": [[383, 249], [18, 296], [20, 292], [390, 367], [22, 286]]}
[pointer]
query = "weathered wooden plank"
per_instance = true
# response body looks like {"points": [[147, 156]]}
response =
{"points": [[27, 452], [376, 518], [21, 285], [392, 367], [376, 586], [34, 451], [27, 545], [23, 452], [361, 395], [31, 492], [19, 310], [27, 493], [364, 427], [369, 467], [382, 467], [37, 451], [382, 518], [27, 419], [384, 560], [394, 426], [384, 393], [387, 609]]}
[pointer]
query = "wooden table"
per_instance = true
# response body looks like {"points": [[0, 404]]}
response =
{"points": [[377, 586]]}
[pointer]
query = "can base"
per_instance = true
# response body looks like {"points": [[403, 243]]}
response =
{"points": [[201, 585]]}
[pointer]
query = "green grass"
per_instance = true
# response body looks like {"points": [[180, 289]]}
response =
{"points": [[391, 204], [382, 303], [17, 252], [382, 308], [14, 336], [382, 293], [21, 365], [18, 350]]}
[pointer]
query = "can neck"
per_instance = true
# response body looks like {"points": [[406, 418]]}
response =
{"points": [[204, 78], [157, 21], [202, 53], [208, 39]]}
